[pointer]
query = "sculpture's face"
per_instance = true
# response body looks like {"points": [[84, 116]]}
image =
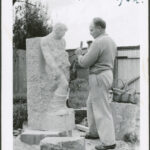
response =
{"points": [[59, 30], [60, 33]]}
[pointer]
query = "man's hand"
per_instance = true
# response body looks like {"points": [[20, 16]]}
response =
{"points": [[79, 51]]}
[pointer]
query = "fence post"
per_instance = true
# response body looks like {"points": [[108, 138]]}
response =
{"points": [[115, 71]]}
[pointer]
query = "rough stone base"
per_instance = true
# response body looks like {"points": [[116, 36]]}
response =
{"points": [[33, 137], [60, 121], [125, 118], [63, 143]]}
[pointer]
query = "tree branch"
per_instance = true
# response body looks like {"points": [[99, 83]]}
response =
{"points": [[14, 1], [24, 2]]}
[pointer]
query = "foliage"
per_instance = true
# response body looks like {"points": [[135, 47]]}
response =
{"points": [[18, 98], [19, 115], [14, 1], [31, 20], [78, 85], [131, 137], [78, 93]]}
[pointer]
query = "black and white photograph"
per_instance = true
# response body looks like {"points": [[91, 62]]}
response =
{"points": [[74, 75]]}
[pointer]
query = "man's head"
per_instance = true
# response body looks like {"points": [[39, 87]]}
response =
{"points": [[59, 30], [97, 27]]}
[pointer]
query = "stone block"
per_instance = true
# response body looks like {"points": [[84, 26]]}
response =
{"points": [[63, 143], [33, 137], [40, 93], [37, 82], [125, 118]]}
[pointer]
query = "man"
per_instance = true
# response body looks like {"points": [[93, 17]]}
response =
{"points": [[100, 60]]}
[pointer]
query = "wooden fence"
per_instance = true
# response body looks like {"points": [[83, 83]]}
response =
{"points": [[19, 73], [127, 68]]}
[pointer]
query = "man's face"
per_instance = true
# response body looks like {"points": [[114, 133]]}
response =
{"points": [[94, 31]]}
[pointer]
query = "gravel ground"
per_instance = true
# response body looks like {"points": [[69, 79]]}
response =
{"points": [[90, 144]]}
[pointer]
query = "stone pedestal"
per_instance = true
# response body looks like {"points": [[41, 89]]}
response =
{"points": [[63, 143]]}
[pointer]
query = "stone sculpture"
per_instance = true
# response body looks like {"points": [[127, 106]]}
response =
{"points": [[57, 66], [47, 82], [47, 92]]}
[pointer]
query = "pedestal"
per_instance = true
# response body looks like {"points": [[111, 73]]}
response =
{"points": [[59, 121], [63, 143]]}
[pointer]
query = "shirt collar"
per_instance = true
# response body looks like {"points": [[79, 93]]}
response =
{"points": [[101, 35]]}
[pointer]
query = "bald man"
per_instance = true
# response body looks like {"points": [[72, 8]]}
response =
{"points": [[100, 61]]}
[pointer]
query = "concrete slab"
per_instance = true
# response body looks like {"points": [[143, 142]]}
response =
{"points": [[33, 137]]}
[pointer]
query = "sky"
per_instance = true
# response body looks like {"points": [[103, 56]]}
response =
{"points": [[123, 22]]}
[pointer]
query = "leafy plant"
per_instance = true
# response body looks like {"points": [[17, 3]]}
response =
{"points": [[19, 99], [131, 137], [19, 115], [31, 20]]}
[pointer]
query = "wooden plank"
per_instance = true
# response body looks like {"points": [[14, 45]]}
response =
{"points": [[82, 128], [128, 69], [122, 57], [128, 47], [125, 57], [115, 71], [129, 53]]}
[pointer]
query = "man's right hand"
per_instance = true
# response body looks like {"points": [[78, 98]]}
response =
{"points": [[78, 51]]}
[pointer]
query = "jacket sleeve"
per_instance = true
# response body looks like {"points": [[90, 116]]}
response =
{"points": [[91, 56]]}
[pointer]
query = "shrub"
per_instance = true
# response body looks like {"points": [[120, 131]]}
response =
{"points": [[78, 85], [30, 21], [131, 137], [78, 93], [18, 98], [19, 115]]}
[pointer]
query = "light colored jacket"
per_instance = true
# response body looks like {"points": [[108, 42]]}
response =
{"points": [[100, 55]]}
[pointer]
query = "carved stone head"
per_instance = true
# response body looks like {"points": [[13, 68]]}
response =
{"points": [[59, 30]]}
